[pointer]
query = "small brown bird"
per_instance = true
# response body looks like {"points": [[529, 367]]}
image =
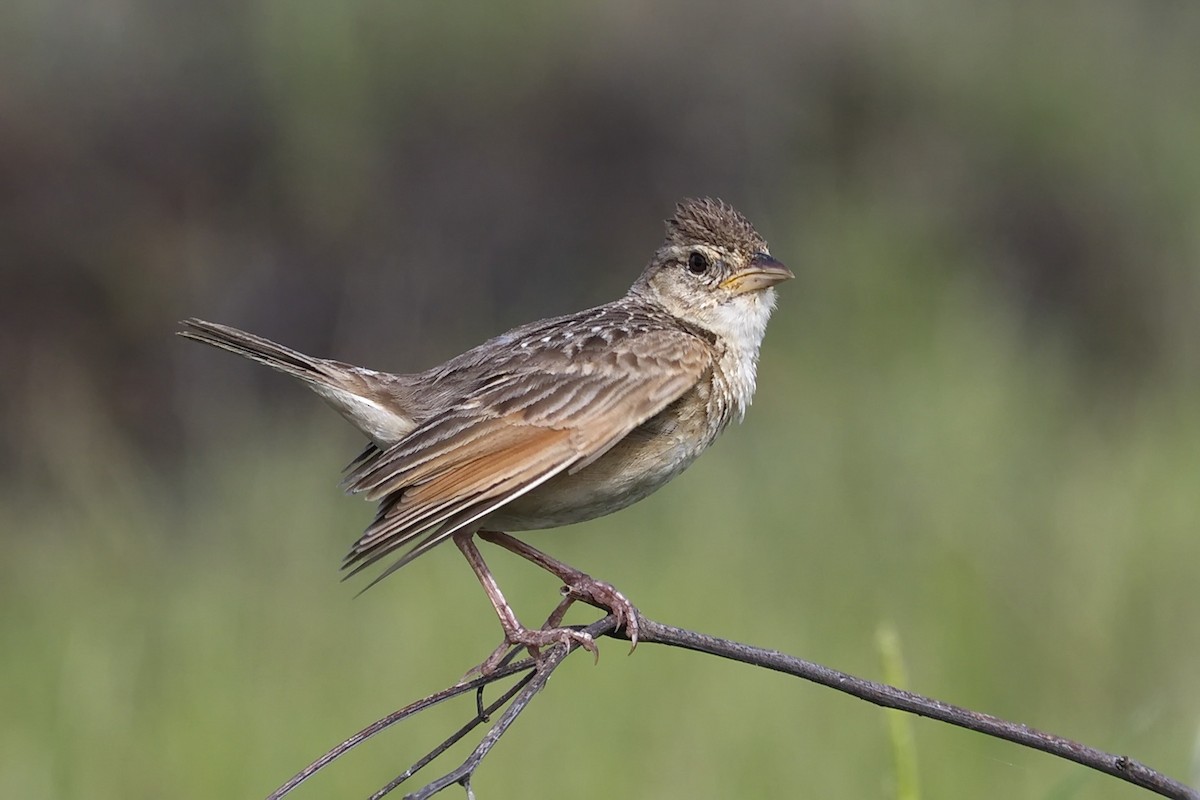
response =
{"points": [[557, 421]]}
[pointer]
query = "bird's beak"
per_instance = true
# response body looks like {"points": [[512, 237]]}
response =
{"points": [[762, 272]]}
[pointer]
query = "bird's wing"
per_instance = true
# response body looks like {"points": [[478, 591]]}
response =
{"points": [[531, 421]]}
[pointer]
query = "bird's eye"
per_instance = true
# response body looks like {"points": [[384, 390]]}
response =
{"points": [[697, 263]]}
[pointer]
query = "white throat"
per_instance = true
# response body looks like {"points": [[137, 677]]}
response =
{"points": [[741, 324]]}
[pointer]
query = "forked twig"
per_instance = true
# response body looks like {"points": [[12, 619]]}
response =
{"points": [[1119, 766], [404, 713], [483, 716]]}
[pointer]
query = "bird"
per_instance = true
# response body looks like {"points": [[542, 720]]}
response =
{"points": [[554, 422]]}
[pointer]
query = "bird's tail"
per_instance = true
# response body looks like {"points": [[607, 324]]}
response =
{"points": [[256, 348], [376, 403]]}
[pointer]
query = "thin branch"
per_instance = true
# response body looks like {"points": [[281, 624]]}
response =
{"points": [[652, 632], [398, 716], [551, 659], [481, 717], [1119, 766]]}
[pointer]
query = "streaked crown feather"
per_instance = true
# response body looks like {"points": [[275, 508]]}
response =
{"points": [[714, 222]]}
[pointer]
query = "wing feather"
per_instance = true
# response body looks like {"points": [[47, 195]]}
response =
{"points": [[512, 435]]}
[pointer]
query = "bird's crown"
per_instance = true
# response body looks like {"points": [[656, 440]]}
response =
{"points": [[714, 222]]}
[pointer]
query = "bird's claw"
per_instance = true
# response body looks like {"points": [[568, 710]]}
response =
{"points": [[605, 596], [534, 641]]}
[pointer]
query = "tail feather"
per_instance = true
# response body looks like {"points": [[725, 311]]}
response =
{"points": [[256, 348], [376, 403]]}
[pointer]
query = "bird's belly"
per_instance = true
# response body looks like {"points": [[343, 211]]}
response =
{"points": [[642, 462]]}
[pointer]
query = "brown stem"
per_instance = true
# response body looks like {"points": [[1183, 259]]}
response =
{"points": [[1119, 766]]}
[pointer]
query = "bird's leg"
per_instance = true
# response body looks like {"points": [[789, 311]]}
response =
{"points": [[514, 632], [579, 585]]}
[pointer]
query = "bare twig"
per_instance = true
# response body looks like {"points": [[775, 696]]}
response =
{"points": [[522, 693], [481, 717], [550, 662], [402, 714], [1119, 766]]}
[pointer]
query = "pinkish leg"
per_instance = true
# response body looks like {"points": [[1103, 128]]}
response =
{"points": [[514, 632], [580, 585]]}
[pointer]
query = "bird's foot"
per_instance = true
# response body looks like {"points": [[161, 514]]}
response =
{"points": [[606, 597], [534, 641], [578, 585]]}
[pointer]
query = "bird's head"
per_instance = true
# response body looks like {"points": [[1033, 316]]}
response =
{"points": [[714, 271]]}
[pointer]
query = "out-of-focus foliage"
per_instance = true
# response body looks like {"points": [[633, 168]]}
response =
{"points": [[978, 420]]}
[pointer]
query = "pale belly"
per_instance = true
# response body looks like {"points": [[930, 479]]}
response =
{"points": [[641, 463]]}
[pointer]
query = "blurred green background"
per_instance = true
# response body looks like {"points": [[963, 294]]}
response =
{"points": [[978, 419]]}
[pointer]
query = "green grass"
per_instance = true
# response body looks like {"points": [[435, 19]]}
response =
{"points": [[899, 724]]}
